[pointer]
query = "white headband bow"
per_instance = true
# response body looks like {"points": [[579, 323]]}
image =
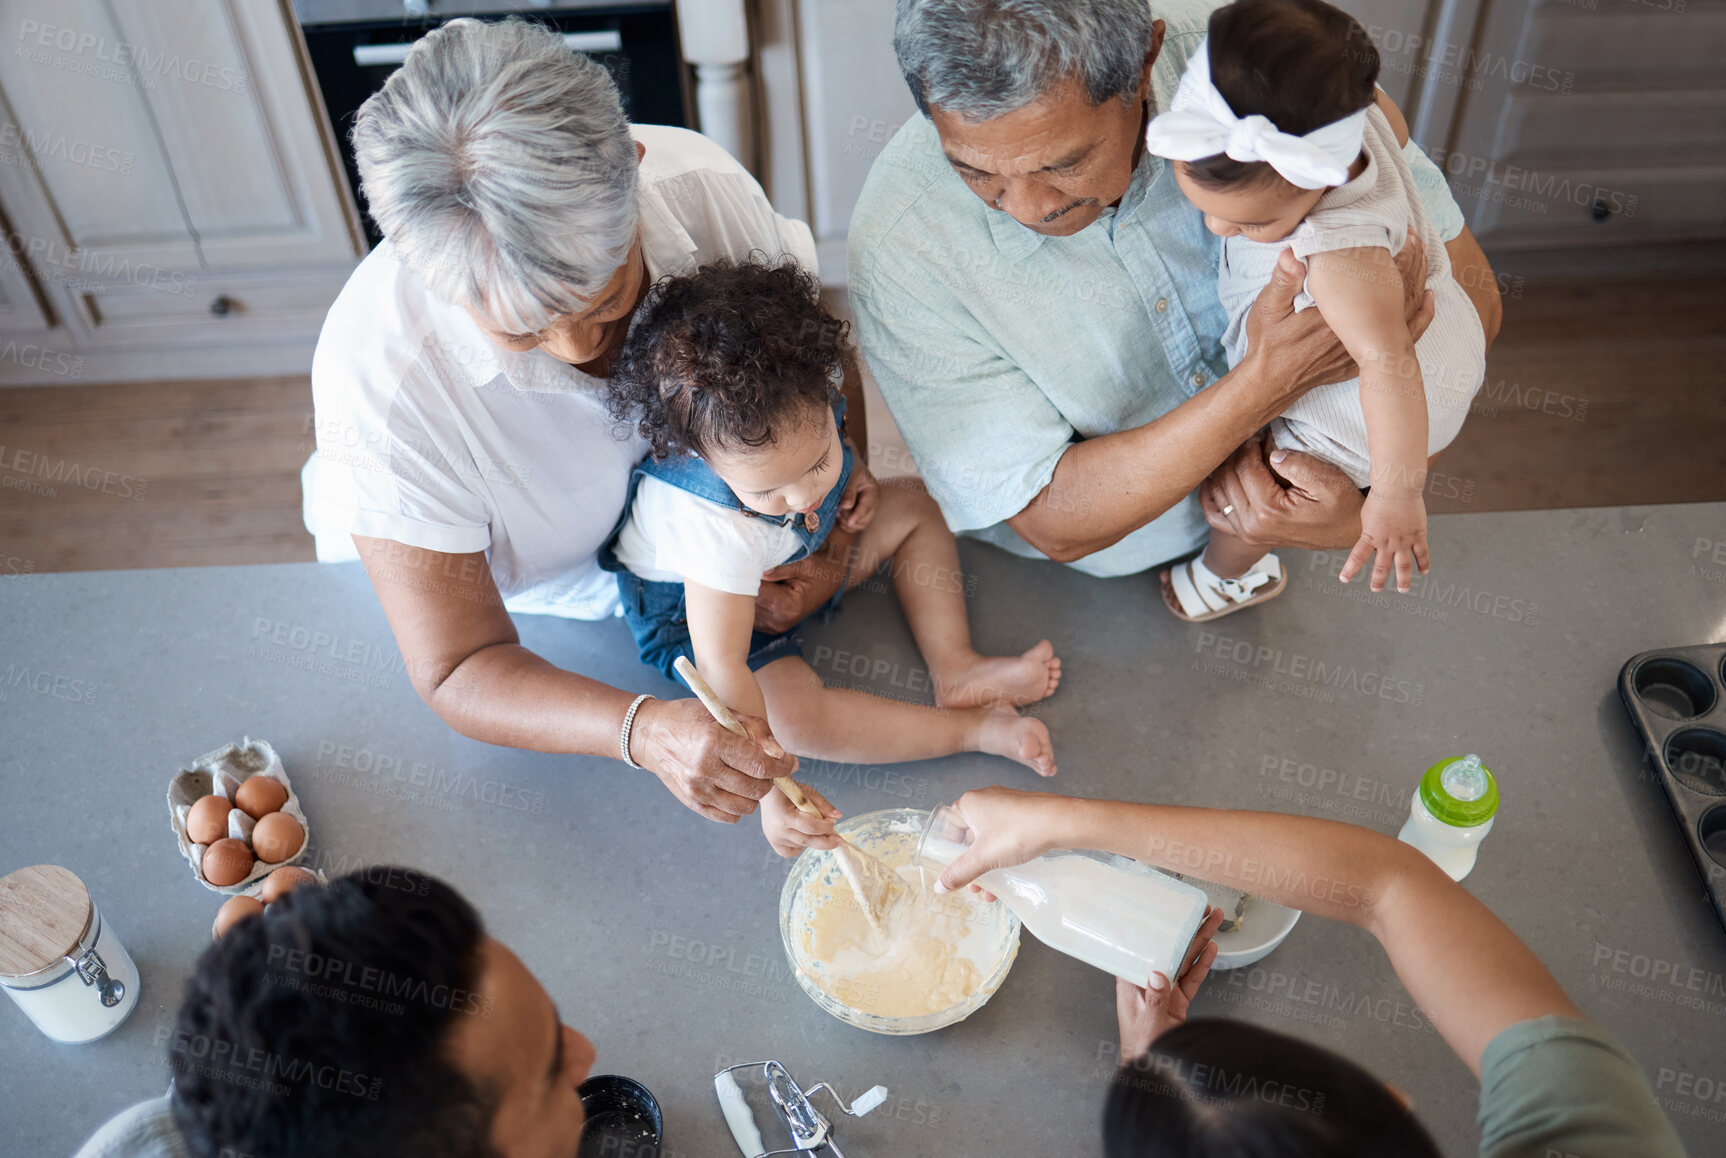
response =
{"points": [[1201, 124]]}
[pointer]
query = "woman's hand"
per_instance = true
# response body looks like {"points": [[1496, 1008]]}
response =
{"points": [[790, 830], [1009, 827], [1317, 510], [793, 592], [1148, 1013], [712, 771], [862, 495]]}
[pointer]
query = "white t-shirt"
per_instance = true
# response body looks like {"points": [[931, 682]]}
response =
{"points": [[673, 536], [430, 435]]}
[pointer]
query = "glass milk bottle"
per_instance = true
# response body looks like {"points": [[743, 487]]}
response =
{"points": [[60, 962], [1121, 916], [1452, 812]]}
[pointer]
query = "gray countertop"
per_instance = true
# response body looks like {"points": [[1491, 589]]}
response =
{"points": [[656, 931]]}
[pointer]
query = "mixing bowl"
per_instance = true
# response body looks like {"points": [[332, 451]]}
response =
{"points": [[990, 942]]}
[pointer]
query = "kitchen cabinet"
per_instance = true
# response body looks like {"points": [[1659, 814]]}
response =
{"points": [[1593, 123], [173, 204]]}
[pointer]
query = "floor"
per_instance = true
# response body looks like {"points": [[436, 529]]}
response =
{"points": [[1599, 392]]}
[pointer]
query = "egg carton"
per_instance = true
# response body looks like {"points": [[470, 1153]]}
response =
{"points": [[222, 772]]}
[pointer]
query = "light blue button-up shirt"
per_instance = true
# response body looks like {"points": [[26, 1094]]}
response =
{"points": [[997, 347]]}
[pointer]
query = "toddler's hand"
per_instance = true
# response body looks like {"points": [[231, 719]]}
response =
{"points": [[1392, 523], [790, 831], [862, 495]]}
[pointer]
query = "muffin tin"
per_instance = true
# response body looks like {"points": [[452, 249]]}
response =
{"points": [[1677, 699]]}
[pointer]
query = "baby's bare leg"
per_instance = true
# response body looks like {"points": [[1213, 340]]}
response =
{"points": [[854, 727], [1230, 557], [908, 527]]}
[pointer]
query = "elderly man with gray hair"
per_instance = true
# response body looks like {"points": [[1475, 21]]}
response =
{"points": [[464, 450], [1038, 300]]}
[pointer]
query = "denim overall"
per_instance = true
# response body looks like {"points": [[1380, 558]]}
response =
{"points": [[656, 611]]}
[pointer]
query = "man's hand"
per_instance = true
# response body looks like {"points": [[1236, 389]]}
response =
{"points": [[1318, 509], [792, 593], [712, 771], [862, 495], [1296, 352], [1147, 1013]]}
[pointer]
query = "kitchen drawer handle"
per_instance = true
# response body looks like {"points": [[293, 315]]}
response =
{"points": [[223, 306]]}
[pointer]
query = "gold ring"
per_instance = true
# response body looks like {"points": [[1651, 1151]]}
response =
{"points": [[1229, 510]]}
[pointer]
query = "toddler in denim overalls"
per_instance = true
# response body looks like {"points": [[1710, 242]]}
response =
{"points": [[731, 373]]}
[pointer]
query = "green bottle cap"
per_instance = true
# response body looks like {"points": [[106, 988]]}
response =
{"points": [[1461, 793]]}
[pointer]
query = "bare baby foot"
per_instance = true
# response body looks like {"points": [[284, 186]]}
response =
{"points": [[1004, 732], [986, 680]]}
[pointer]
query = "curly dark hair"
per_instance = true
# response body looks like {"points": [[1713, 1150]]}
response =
{"points": [[722, 357], [317, 1028], [1300, 63]]}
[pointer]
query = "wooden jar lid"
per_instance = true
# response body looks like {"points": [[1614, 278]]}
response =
{"points": [[45, 911]]}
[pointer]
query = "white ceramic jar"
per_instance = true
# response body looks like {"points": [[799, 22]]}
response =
{"points": [[60, 962]]}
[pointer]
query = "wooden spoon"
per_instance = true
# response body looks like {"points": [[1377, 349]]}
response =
{"points": [[876, 885]]}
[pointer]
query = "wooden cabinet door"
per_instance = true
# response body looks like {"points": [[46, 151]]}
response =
{"points": [[235, 117], [1593, 122], [155, 157]]}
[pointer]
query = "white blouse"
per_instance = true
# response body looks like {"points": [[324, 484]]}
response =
{"points": [[430, 435]]}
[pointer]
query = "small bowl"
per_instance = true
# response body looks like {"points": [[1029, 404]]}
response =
{"points": [[991, 940], [1263, 926], [623, 1117]]}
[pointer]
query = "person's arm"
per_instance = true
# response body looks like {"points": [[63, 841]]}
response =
{"points": [[1356, 289], [1105, 488], [792, 593], [1468, 264], [466, 661], [1471, 270], [1464, 968], [720, 625]]}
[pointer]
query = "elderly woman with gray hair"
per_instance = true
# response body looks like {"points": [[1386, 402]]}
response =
{"points": [[464, 452]]}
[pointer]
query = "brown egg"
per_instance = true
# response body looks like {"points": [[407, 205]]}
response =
{"points": [[277, 837], [236, 909], [284, 881], [258, 796], [207, 820], [226, 862]]}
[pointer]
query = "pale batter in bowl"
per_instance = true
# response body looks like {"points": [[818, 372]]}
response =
{"points": [[938, 959]]}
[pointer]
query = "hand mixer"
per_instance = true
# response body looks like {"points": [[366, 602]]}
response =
{"points": [[811, 1130]]}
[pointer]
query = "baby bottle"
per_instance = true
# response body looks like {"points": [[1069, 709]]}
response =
{"points": [[1121, 916], [1452, 813]]}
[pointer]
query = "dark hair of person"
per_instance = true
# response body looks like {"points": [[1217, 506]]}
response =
{"points": [[1302, 64], [318, 1028], [721, 358], [1217, 1088]]}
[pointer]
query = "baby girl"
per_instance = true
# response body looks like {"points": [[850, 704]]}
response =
{"points": [[1282, 140]]}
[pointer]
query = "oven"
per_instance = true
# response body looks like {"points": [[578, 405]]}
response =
{"points": [[355, 44]]}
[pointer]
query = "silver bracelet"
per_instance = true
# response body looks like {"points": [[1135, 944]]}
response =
{"points": [[629, 723]]}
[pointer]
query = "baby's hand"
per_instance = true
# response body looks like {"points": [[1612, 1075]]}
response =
{"points": [[790, 831], [1392, 523], [862, 495]]}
